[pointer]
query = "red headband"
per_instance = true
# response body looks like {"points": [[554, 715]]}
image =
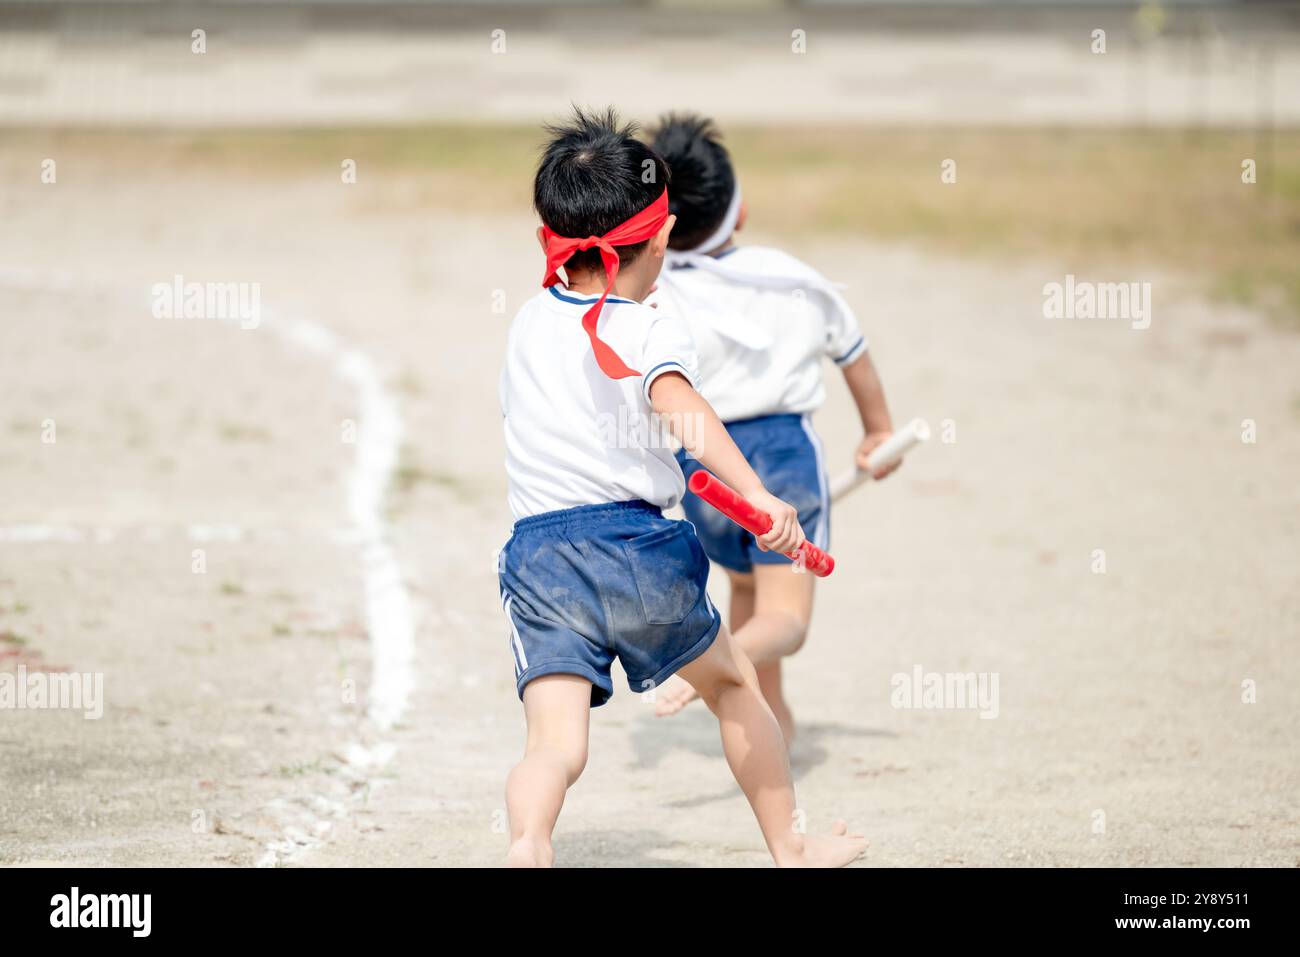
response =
{"points": [[635, 230]]}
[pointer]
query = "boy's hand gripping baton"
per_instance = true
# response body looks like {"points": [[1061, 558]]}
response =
{"points": [[727, 501], [886, 453]]}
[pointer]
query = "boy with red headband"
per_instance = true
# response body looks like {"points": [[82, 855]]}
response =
{"points": [[763, 322], [593, 571]]}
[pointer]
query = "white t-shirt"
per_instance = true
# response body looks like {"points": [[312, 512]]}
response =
{"points": [[798, 325], [574, 436]]}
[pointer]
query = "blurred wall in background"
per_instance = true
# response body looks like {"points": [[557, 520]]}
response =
{"points": [[328, 62]]}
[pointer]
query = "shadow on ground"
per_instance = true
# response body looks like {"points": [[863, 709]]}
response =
{"points": [[696, 731]]}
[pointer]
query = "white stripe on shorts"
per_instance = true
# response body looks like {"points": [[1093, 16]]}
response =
{"points": [[819, 534], [521, 659]]}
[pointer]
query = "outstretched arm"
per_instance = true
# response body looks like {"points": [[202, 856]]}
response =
{"points": [[869, 396]]}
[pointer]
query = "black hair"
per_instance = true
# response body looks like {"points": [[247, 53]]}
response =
{"points": [[594, 175], [703, 178]]}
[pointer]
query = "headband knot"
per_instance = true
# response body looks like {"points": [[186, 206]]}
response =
{"points": [[559, 248]]}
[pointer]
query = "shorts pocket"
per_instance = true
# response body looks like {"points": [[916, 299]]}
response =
{"points": [[665, 565]]}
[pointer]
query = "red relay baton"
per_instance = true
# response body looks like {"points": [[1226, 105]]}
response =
{"points": [[727, 501]]}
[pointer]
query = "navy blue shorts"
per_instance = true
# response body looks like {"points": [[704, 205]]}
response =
{"points": [[583, 586], [787, 455]]}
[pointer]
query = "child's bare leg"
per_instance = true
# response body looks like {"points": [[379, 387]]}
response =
{"points": [[769, 682], [677, 692], [783, 601], [781, 609], [558, 708], [742, 599], [755, 750]]}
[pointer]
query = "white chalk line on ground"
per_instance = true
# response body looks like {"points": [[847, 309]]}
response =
{"points": [[388, 604], [389, 617]]}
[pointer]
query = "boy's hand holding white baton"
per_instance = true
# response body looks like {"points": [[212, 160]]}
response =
{"points": [[885, 454]]}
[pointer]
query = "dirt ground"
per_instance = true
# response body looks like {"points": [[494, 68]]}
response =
{"points": [[230, 735]]}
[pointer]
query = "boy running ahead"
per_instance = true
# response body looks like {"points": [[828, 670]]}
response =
{"points": [[763, 322], [593, 571]]}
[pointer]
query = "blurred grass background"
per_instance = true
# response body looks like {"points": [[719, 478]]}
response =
{"points": [[1119, 200]]}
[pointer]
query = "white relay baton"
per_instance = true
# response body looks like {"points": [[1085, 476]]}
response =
{"points": [[887, 453]]}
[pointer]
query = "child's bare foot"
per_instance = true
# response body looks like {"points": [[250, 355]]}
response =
{"points": [[674, 696], [526, 852], [838, 849]]}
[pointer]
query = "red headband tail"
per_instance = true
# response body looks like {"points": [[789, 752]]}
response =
{"points": [[559, 248]]}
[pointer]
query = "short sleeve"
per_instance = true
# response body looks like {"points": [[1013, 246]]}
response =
{"points": [[669, 347], [845, 342]]}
